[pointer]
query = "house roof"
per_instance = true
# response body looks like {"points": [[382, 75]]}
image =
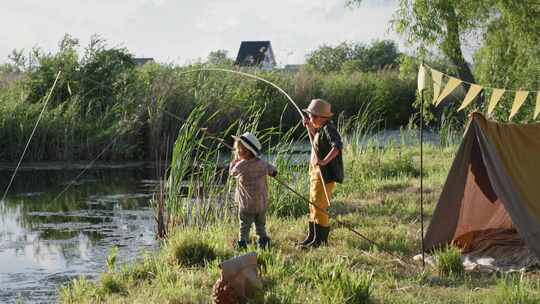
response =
{"points": [[254, 53]]}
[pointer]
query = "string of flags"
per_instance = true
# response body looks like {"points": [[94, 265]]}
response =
{"points": [[440, 92]]}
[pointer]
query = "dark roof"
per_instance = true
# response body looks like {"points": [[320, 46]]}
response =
{"points": [[254, 53], [142, 61]]}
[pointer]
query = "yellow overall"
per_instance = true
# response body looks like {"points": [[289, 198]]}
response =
{"points": [[317, 197]]}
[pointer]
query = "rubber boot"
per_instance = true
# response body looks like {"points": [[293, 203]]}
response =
{"points": [[263, 243], [241, 245], [310, 237], [321, 237]]}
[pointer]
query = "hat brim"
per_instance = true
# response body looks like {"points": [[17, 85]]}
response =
{"points": [[246, 145], [319, 114]]}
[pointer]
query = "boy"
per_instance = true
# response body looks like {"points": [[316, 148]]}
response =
{"points": [[326, 160], [251, 188]]}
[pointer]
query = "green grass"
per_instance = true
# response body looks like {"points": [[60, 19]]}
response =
{"points": [[380, 201]]}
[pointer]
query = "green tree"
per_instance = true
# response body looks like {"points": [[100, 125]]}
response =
{"points": [[354, 57], [219, 57]]}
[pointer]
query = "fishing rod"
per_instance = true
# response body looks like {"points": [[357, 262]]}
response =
{"points": [[341, 223], [48, 97]]}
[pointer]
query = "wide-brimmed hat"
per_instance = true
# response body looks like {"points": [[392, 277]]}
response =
{"points": [[250, 142], [319, 107]]}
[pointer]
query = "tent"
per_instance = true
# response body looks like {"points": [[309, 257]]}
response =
{"points": [[491, 198]]}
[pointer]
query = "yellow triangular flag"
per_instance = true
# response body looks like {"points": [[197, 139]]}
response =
{"points": [[473, 92], [436, 76], [537, 110], [518, 102], [421, 78], [453, 83], [495, 97]]}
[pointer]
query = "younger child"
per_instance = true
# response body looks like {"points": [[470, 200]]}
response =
{"points": [[251, 188], [326, 161]]}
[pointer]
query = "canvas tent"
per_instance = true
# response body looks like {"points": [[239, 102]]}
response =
{"points": [[491, 198]]}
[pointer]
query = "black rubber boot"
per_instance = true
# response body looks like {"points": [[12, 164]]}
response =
{"points": [[241, 245], [321, 237], [310, 237], [263, 243]]}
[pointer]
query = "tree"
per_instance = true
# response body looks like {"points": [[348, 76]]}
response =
{"points": [[219, 57], [354, 56]]}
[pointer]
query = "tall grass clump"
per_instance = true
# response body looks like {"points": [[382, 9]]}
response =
{"points": [[292, 169], [513, 289], [449, 262], [337, 284], [194, 188], [191, 251]]}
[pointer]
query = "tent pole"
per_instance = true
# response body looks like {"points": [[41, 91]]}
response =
{"points": [[422, 174]]}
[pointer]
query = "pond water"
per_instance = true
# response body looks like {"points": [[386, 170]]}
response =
{"points": [[48, 238]]}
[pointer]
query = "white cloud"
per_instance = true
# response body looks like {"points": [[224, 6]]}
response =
{"points": [[185, 30]]}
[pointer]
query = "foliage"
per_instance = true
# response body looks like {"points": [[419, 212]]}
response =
{"points": [[219, 57], [105, 106], [350, 57]]}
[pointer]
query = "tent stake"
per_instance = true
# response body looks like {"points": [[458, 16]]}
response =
{"points": [[422, 175]]}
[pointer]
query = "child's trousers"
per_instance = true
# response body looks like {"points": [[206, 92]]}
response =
{"points": [[317, 197], [247, 219]]}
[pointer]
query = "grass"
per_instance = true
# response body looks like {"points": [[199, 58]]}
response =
{"points": [[449, 262], [379, 198]]}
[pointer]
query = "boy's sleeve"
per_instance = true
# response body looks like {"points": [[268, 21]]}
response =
{"points": [[335, 138]]}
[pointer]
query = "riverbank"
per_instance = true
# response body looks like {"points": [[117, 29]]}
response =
{"points": [[379, 198], [126, 112]]}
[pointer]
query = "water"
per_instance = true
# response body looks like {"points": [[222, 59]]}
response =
{"points": [[45, 243]]}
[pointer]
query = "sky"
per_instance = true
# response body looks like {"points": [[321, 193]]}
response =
{"points": [[183, 31]]}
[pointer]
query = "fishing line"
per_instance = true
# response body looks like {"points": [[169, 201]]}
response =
{"points": [[72, 182], [31, 135]]}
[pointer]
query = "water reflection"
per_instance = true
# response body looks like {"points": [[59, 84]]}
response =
{"points": [[45, 241]]}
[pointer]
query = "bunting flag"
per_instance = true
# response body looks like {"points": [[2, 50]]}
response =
{"points": [[437, 81], [421, 78], [495, 97], [474, 90], [453, 83], [520, 98], [537, 110]]}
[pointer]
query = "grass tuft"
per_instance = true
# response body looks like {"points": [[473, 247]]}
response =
{"points": [[449, 262], [192, 252]]}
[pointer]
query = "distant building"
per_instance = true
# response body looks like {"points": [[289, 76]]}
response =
{"points": [[256, 54], [143, 61]]}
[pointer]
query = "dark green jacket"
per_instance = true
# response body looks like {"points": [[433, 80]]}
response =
{"points": [[325, 138]]}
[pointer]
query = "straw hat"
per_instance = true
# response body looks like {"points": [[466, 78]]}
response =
{"points": [[251, 142], [319, 107]]}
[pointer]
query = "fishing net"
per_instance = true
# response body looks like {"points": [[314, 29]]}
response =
{"points": [[239, 280]]}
